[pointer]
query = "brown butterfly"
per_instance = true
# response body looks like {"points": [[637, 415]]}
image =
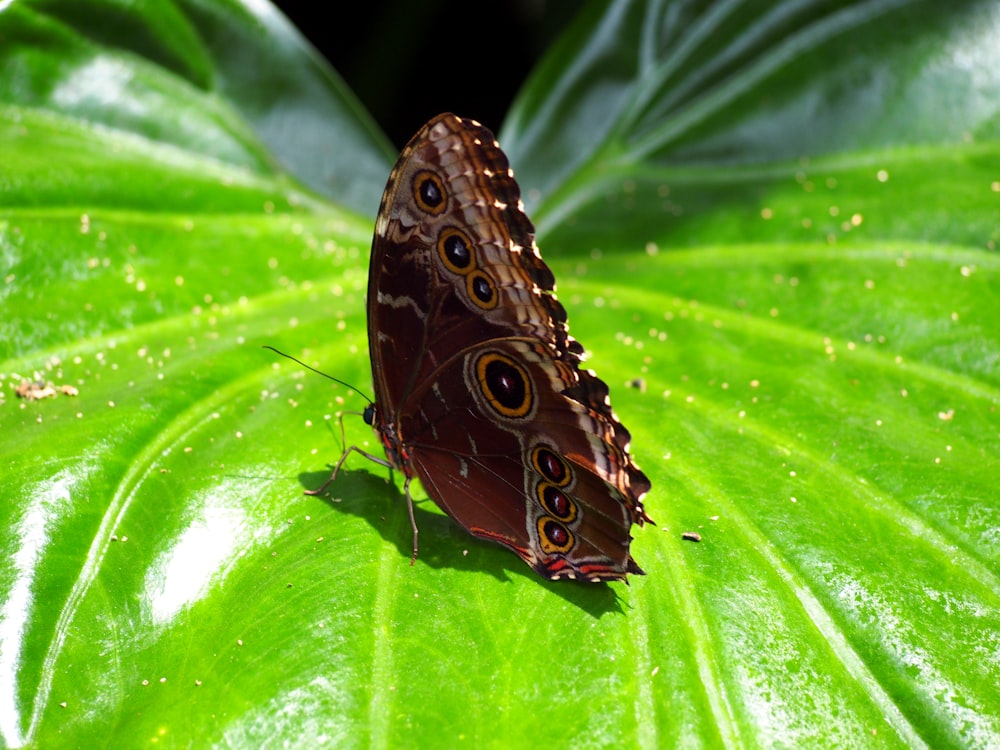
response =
{"points": [[479, 391]]}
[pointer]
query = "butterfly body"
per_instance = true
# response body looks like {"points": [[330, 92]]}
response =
{"points": [[479, 390]]}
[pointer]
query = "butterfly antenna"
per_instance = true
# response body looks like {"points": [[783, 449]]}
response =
{"points": [[320, 372]]}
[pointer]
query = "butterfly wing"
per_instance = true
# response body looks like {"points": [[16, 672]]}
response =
{"points": [[502, 445], [478, 386], [442, 273]]}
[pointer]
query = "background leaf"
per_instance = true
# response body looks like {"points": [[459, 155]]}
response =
{"points": [[219, 79], [781, 224]]}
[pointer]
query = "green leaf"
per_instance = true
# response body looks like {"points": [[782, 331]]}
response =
{"points": [[780, 223], [221, 80]]}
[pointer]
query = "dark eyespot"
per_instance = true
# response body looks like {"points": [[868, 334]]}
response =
{"points": [[505, 384], [553, 536], [481, 288], [456, 250], [429, 192], [557, 502], [551, 466]]}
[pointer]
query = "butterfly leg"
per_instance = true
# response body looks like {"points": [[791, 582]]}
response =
{"points": [[319, 490], [413, 521]]}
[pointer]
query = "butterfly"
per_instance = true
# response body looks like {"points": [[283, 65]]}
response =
{"points": [[479, 388]]}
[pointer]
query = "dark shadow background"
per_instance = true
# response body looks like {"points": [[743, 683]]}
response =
{"points": [[408, 61]]}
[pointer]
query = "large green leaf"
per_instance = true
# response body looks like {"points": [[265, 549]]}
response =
{"points": [[781, 222]]}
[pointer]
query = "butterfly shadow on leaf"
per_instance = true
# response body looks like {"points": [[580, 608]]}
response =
{"points": [[443, 544]]}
